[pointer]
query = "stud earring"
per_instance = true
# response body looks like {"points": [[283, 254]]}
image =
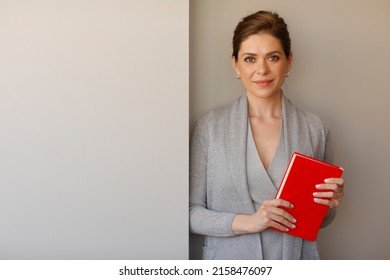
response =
{"points": [[238, 77], [287, 74]]}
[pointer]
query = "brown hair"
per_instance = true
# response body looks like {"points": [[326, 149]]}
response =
{"points": [[262, 21]]}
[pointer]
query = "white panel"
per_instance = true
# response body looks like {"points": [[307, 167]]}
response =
{"points": [[94, 124]]}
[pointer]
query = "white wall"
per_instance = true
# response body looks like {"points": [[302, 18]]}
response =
{"points": [[94, 125], [340, 71]]}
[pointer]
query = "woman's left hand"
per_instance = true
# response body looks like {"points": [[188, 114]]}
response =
{"points": [[330, 193]]}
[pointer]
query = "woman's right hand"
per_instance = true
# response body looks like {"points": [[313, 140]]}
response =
{"points": [[269, 214]]}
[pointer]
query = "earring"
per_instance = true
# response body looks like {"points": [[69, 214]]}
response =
{"points": [[238, 77], [287, 74]]}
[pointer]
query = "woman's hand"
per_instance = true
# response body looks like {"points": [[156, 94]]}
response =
{"points": [[267, 215], [331, 193]]}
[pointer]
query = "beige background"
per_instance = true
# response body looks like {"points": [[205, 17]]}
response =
{"points": [[340, 71], [94, 129]]}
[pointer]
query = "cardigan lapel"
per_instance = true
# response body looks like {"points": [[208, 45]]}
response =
{"points": [[296, 131], [236, 139]]}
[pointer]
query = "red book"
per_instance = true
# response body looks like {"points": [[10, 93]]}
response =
{"points": [[298, 185]]}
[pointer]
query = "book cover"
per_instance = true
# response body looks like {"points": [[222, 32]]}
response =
{"points": [[303, 173]]}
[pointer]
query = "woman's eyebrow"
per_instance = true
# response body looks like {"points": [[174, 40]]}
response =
{"points": [[248, 53], [276, 51]]}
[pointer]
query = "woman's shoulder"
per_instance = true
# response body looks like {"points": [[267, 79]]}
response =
{"points": [[314, 123], [220, 113]]}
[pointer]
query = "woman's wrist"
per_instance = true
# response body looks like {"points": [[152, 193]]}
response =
{"points": [[243, 224]]}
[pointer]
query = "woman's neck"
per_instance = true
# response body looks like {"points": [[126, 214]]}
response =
{"points": [[265, 107]]}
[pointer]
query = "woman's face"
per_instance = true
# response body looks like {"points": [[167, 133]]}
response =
{"points": [[262, 65]]}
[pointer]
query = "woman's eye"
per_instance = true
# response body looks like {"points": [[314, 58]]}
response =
{"points": [[250, 59], [274, 58]]}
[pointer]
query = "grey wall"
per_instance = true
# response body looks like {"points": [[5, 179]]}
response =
{"points": [[94, 129], [340, 71]]}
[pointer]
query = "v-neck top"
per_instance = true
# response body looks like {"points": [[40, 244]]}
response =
{"points": [[263, 184]]}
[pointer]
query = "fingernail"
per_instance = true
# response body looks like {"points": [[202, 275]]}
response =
{"points": [[316, 200], [327, 180], [293, 226], [292, 205], [294, 220], [286, 229], [315, 193]]}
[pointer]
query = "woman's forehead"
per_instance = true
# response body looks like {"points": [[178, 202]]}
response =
{"points": [[261, 42]]}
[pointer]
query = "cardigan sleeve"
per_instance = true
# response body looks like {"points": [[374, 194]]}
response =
{"points": [[203, 220]]}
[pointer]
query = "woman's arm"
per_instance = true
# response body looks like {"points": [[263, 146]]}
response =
{"points": [[202, 220]]}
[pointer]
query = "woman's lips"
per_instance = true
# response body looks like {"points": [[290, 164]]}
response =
{"points": [[263, 83]]}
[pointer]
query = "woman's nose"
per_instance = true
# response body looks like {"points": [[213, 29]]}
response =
{"points": [[262, 68]]}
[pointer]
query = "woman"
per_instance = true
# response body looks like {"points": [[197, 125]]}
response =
{"points": [[239, 154]]}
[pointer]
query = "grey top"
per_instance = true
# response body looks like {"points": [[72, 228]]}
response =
{"points": [[218, 178], [263, 185]]}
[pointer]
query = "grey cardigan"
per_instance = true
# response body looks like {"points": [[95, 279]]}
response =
{"points": [[218, 178]]}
